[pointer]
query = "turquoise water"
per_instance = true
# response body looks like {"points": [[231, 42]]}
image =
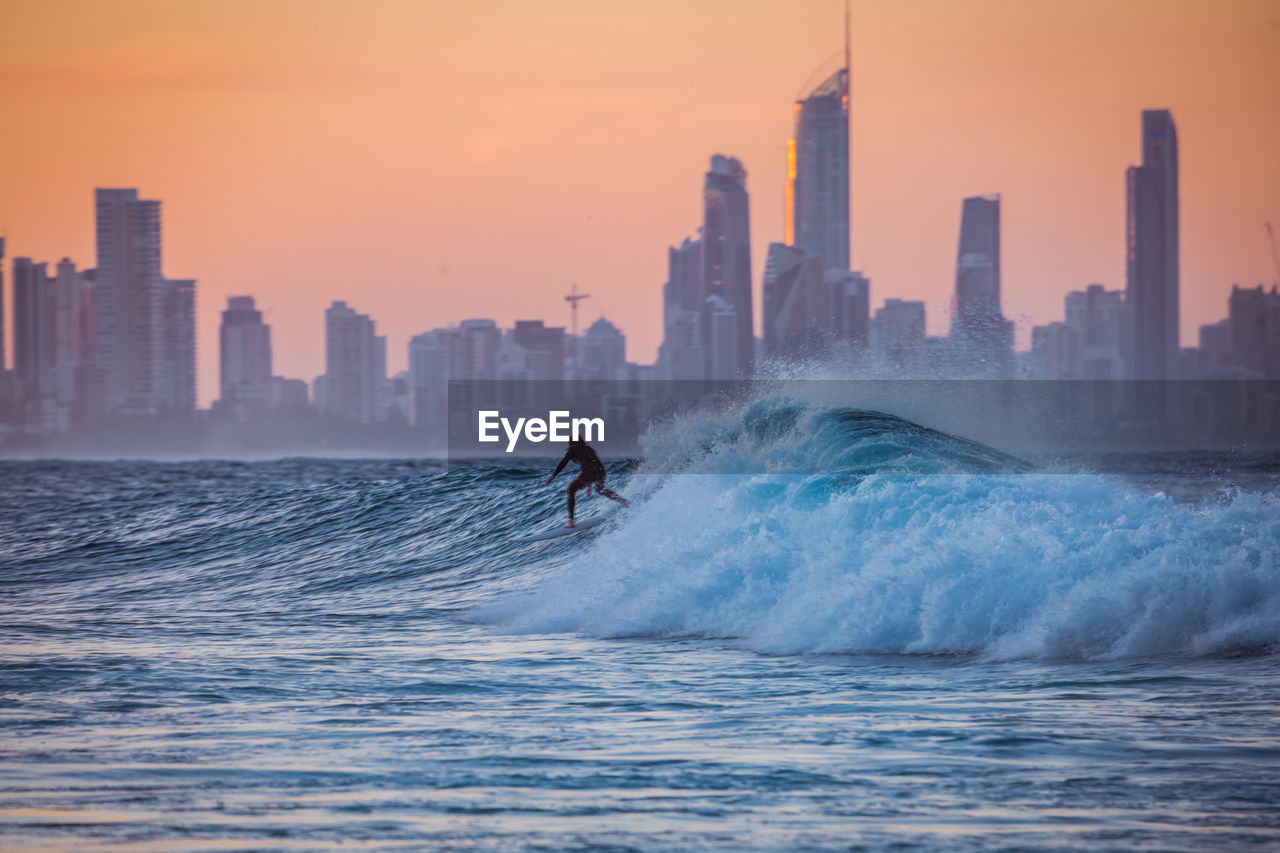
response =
{"points": [[303, 654]]}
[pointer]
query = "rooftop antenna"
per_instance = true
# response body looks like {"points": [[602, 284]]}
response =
{"points": [[848, 66], [573, 299], [848, 120]]}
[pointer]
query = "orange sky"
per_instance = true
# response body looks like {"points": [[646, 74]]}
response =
{"points": [[432, 161]]}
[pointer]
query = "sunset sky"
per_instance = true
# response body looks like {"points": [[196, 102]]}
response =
{"points": [[434, 161]]}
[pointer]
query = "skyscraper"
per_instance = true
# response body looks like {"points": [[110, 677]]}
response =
{"points": [[544, 347], [848, 306], [475, 352], [430, 365], [1151, 242], [244, 349], [684, 289], [126, 291], [681, 355], [978, 261], [351, 365], [898, 332], [70, 302], [817, 215], [1253, 330], [1055, 352], [1097, 317], [794, 302], [723, 329], [979, 328], [33, 328], [726, 251], [144, 331], [176, 391], [604, 350]]}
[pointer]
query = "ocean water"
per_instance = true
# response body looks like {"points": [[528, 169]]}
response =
{"points": [[929, 645]]}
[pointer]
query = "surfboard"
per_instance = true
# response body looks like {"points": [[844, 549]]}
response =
{"points": [[579, 526]]}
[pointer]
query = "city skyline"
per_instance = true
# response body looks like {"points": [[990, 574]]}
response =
{"points": [[1060, 234]]}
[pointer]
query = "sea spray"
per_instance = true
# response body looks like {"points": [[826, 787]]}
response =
{"points": [[866, 540]]}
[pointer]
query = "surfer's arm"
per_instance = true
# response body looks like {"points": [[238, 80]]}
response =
{"points": [[560, 467]]}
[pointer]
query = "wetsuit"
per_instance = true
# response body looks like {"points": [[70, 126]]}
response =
{"points": [[590, 472]]}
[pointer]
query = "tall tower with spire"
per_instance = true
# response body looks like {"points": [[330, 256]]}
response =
{"points": [[817, 201]]}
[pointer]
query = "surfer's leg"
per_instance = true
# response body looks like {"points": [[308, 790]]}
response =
{"points": [[610, 494], [576, 484]]}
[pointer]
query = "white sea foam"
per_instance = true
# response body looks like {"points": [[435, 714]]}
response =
{"points": [[996, 564]]}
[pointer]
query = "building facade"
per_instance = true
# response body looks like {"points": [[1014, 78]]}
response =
{"points": [[177, 380], [794, 302], [351, 379], [897, 333], [604, 351], [817, 197], [979, 331], [144, 329], [726, 252], [244, 351], [1151, 252], [34, 346], [1097, 318]]}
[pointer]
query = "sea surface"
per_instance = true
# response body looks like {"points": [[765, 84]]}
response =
{"points": [[923, 645]]}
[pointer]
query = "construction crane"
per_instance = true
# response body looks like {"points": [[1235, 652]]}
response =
{"points": [[573, 299], [1275, 255]]}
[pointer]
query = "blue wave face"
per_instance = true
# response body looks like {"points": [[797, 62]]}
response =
{"points": [[891, 552], [791, 436], [909, 540]]}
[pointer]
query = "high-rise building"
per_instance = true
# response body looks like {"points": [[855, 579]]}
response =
{"points": [[1253, 321], [1215, 346], [430, 362], [848, 310], [684, 290], [794, 302], [475, 350], [604, 350], [87, 335], [70, 314], [176, 394], [978, 327], [897, 332], [817, 199], [351, 379], [142, 332], [125, 300], [244, 350], [681, 354], [723, 329], [544, 348], [247, 386], [978, 260], [726, 251], [1151, 289], [1096, 316], [66, 301], [1055, 352], [33, 329]]}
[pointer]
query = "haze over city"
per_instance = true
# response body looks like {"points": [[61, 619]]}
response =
{"points": [[706, 425], [432, 161]]}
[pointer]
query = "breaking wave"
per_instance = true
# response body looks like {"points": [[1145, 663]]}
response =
{"points": [[910, 541]]}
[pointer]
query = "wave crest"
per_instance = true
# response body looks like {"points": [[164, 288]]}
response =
{"points": [[993, 564]]}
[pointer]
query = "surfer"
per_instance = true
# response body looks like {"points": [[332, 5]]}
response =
{"points": [[590, 473]]}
